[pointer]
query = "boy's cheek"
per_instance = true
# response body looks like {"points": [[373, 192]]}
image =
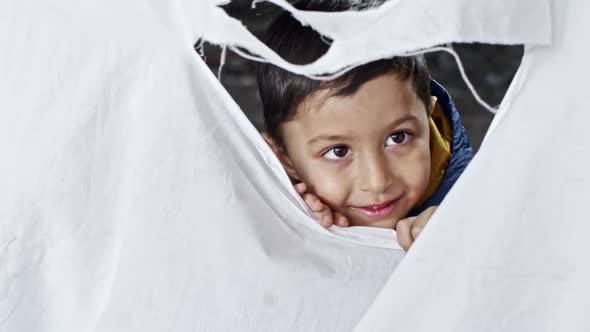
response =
{"points": [[329, 186], [419, 180]]}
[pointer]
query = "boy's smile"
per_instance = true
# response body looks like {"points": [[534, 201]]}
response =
{"points": [[378, 210], [366, 155]]}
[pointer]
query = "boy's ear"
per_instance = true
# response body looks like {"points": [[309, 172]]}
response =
{"points": [[282, 155], [433, 100]]}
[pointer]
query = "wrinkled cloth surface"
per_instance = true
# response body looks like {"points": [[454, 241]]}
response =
{"points": [[136, 196], [507, 249]]}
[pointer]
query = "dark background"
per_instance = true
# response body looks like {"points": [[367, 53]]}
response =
{"points": [[489, 67]]}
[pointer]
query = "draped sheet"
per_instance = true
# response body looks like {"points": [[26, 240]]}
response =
{"points": [[508, 249], [136, 196]]}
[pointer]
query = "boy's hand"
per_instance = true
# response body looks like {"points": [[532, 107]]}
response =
{"points": [[408, 229], [323, 212]]}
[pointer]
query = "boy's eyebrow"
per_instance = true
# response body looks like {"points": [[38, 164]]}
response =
{"points": [[405, 118], [327, 138], [395, 123]]}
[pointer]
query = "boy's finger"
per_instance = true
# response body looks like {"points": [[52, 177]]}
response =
{"points": [[419, 223], [326, 219], [406, 220], [313, 202], [421, 220], [416, 230], [426, 214], [340, 220], [300, 188], [404, 237]]}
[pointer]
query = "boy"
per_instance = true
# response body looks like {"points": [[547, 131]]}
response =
{"points": [[379, 146]]}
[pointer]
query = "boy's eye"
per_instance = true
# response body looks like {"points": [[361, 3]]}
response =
{"points": [[337, 152], [398, 138]]}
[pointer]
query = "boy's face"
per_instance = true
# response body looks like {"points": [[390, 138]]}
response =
{"points": [[366, 155]]}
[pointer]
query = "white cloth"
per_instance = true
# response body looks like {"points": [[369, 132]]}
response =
{"points": [[135, 195], [508, 248]]}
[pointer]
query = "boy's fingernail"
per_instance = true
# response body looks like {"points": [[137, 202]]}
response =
{"points": [[317, 203]]}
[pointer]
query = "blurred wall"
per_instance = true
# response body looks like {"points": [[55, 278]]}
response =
{"points": [[489, 67]]}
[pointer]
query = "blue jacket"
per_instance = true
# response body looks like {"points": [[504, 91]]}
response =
{"points": [[461, 151]]}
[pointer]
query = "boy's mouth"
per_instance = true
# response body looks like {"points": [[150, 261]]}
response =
{"points": [[377, 211]]}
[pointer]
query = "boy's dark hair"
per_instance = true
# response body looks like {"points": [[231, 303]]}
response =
{"points": [[282, 92]]}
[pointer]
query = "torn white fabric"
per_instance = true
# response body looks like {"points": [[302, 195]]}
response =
{"points": [[395, 27], [508, 249], [137, 197]]}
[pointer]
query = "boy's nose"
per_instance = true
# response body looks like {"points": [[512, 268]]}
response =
{"points": [[375, 175]]}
